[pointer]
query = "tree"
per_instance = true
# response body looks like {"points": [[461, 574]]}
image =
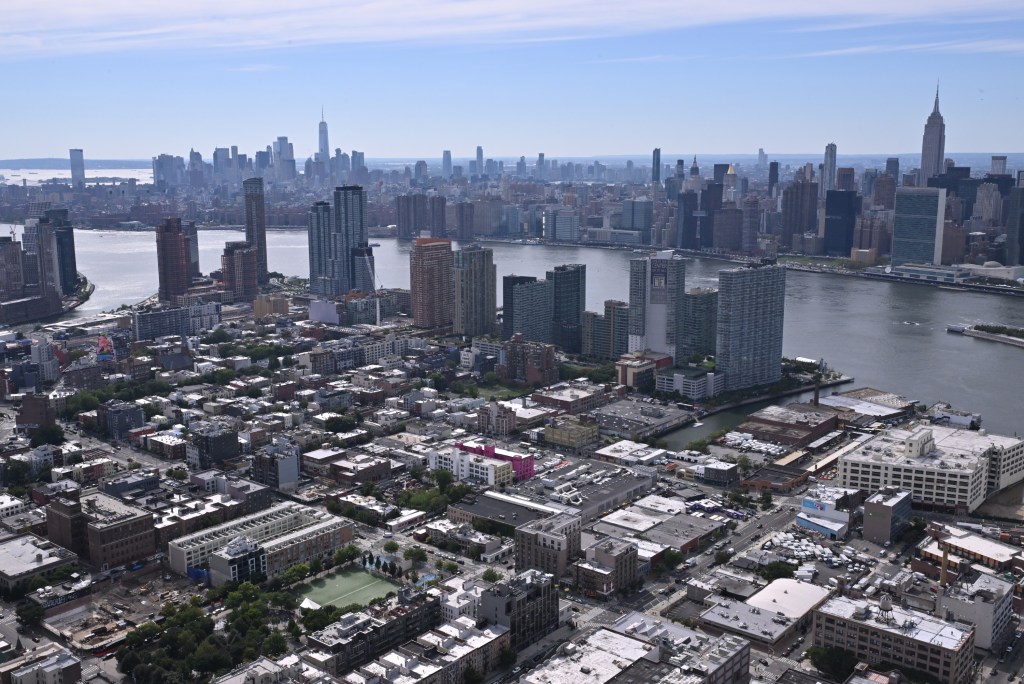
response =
{"points": [[491, 575], [52, 434], [415, 555], [332, 506], [444, 479], [471, 676], [391, 546], [275, 644], [177, 473], [838, 663], [451, 566], [776, 570], [316, 566], [30, 613], [722, 557], [671, 558], [766, 500]]}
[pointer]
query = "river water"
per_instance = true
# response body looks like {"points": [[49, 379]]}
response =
{"points": [[886, 335]]}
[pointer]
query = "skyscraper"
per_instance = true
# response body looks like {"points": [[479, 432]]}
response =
{"points": [[77, 169], [828, 169], [799, 211], [657, 285], [773, 177], [933, 145], [841, 209], [917, 228], [348, 231], [324, 151], [606, 336], [710, 202], [476, 299], [321, 256], [12, 280], [192, 235], [846, 178], [239, 266], [531, 310], [892, 167], [998, 165], [464, 217], [751, 304], [751, 207], [508, 285], [1015, 228], [687, 206], [656, 166], [446, 163], [67, 263], [437, 222], [256, 224], [172, 260], [638, 215], [568, 301], [479, 160], [700, 321], [430, 283], [884, 192]]}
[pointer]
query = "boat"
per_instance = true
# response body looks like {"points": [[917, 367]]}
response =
{"points": [[375, 244], [698, 425], [956, 329]]}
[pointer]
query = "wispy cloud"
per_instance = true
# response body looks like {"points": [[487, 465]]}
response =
{"points": [[639, 59], [55, 27], [994, 46], [254, 68]]}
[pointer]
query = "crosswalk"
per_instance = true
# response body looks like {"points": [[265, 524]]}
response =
{"points": [[772, 674]]}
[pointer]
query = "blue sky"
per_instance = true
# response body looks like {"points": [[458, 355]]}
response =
{"points": [[573, 78]]}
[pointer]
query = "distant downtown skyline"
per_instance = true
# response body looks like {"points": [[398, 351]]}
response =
{"points": [[573, 79]]}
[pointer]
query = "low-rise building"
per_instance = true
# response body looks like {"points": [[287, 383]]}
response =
{"points": [[49, 664], [598, 659], [470, 467], [887, 513], [26, 556]]}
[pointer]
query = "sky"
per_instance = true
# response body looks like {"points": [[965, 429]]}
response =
{"points": [[572, 78]]}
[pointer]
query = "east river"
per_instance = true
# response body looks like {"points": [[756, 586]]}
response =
{"points": [[886, 335]]}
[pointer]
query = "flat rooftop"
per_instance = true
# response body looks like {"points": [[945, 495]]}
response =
{"points": [[906, 623], [954, 449], [29, 553], [791, 597], [597, 659]]}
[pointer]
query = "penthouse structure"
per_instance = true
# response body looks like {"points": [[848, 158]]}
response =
{"points": [[944, 467], [275, 539], [879, 632]]}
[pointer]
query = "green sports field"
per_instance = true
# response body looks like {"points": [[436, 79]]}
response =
{"points": [[348, 586]]}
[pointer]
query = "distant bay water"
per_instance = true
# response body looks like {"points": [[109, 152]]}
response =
{"points": [[887, 335]]}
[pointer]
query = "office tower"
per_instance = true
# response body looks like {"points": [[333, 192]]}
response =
{"points": [[430, 283], [917, 227], [681, 168], [47, 263], [1015, 228], [569, 299], [508, 285], [67, 263], [728, 223], [561, 224], [480, 160], [751, 223], [349, 232], [256, 224], [841, 209], [531, 311], [892, 167], [284, 159], [638, 215], [687, 206], [78, 169], [656, 166], [699, 330], [475, 281], [606, 336], [867, 182], [324, 152], [762, 158], [846, 179], [192, 235], [321, 261], [873, 231], [751, 304], [464, 214], [239, 266], [773, 177], [446, 163], [540, 166], [656, 287], [828, 170], [799, 211], [12, 280], [719, 171], [172, 260], [710, 202], [437, 221], [419, 172], [998, 165], [988, 205], [358, 160], [884, 192], [933, 145], [729, 180]]}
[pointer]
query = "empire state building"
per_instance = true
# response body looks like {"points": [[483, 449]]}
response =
{"points": [[933, 144]]}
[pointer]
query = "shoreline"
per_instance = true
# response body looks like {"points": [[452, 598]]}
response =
{"points": [[844, 380]]}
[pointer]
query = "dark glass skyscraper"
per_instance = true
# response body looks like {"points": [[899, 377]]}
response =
{"points": [[569, 300], [918, 226], [799, 211], [841, 209], [656, 165], [172, 260], [773, 176], [349, 232], [321, 256], [67, 264], [256, 224], [1015, 229]]}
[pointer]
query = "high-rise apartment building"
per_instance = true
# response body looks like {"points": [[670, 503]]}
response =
{"points": [[446, 163], [508, 285], [841, 210], [480, 160], [475, 280], [437, 222], [77, 169], [933, 145], [700, 324], [773, 177], [239, 266], [192, 235], [828, 169], [67, 264], [656, 287], [430, 283], [348, 232], [1015, 228], [568, 301], [172, 260], [321, 257], [256, 224], [532, 311], [799, 211], [687, 205], [656, 165], [606, 336], [884, 193], [638, 215], [751, 305], [998, 165], [464, 215], [918, 226], [846, 178]]}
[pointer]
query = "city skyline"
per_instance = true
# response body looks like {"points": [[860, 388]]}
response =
{"points": [[232, 57]]}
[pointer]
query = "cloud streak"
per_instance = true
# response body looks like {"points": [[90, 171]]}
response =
{"points": [[1007, 46], [44, 28]]}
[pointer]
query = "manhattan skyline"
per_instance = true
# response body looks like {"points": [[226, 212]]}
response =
{"points": [[727, 80]]}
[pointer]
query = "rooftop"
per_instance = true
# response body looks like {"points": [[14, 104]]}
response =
{"points": [[791, 597], [932, 446], [906, 623], [29, 553], [592, 661]]}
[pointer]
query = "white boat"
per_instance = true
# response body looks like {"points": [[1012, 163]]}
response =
{"points": [[698, 424]]}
